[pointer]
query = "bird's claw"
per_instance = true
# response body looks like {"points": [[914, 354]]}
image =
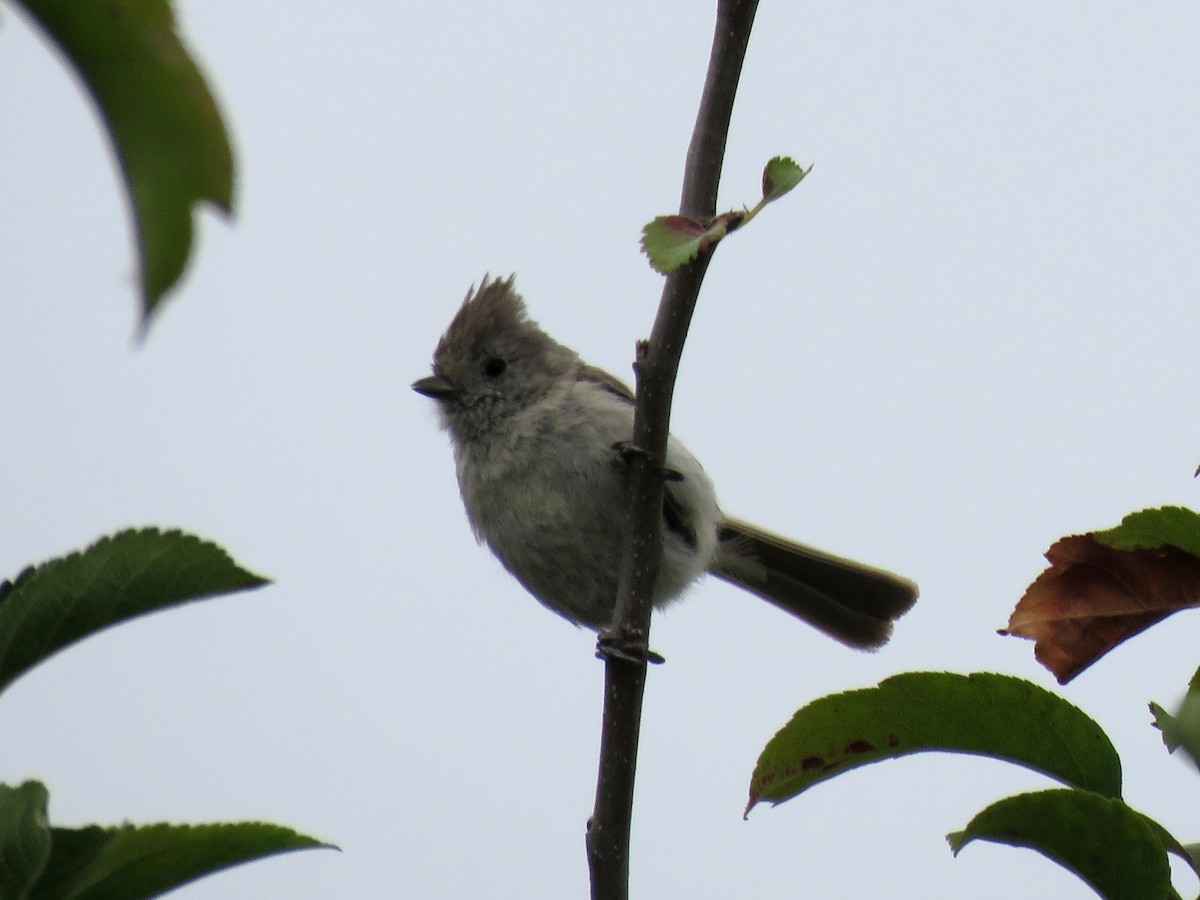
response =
{"points": [[626, 450], [611, 646]]}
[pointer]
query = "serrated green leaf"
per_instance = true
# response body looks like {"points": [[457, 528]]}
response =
{"points": [[24, 837], [126, 862], [120, 577], [671, 242], [163, 121], [1100, 839], [1172, 844], [148, 860], [984, 714], [779, 176], [1150, 529], [75, 855]]}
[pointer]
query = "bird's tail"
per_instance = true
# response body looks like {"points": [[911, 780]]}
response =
{"points": [[854, 603]]}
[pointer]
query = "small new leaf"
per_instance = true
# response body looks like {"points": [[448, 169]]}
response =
{"points": [[671, 242], [779, 176]]}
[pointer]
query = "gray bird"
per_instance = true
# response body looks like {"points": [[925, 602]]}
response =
{"points": [[536, 435]]}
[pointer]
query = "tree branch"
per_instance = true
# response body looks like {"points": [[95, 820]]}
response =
{"points": [[655, 367]]}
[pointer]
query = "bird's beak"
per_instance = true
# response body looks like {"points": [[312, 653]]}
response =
{"points": [[439, 387]]}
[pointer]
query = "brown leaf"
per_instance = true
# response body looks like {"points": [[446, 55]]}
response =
{"points": [[1093, 597]]}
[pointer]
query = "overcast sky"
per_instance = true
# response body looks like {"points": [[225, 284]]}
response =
{"points": [[971, 330]]}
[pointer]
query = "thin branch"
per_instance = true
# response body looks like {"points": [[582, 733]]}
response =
{"points": [[656, 366], [706, 153]]}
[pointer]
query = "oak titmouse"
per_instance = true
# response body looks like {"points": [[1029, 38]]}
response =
{"points": [[537, 435]]}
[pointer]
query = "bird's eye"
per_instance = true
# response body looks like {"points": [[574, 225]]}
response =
{"points": [[494, 367]]}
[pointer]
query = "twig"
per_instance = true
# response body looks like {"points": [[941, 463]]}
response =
{"points": [[655, 368]]}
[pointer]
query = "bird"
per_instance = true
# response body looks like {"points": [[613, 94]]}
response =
{"points": [[538, 437]]}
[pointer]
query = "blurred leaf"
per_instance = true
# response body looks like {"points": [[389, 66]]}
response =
{"points": [[985, 714], [1182, 729], [671, 242], [120, 577], [779, 176], [164, 123], [1165, 722], [1100, 839], [24, 837], [1152, 529], [148, 860], [1093, 597]]}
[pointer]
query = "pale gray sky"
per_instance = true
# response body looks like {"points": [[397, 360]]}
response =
{"points": [[971, 330]]}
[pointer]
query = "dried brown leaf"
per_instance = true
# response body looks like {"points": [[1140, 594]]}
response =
{"points": [[1093, 597]]}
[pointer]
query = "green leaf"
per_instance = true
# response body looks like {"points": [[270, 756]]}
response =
{"points": [[1165, 722], [148, 860], [1193, 851], [24, 837], [670, 242], [164, 123], [126, 862], [1100, 839], [1150, 529], [779, 176], [985, 714], [1172, 844], [1182, 729], [118, 578], [75, 855]]}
